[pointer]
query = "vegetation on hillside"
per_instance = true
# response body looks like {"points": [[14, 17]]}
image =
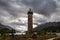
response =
{"points": [[47, 30]]}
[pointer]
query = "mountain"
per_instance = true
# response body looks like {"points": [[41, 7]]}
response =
{"points": [[4, 26], [8, 27], [51, 26]]}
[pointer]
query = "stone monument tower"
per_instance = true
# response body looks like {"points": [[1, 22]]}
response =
{"points": [[30, 21]]}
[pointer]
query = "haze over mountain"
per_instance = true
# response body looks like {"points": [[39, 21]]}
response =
{"points": [[8, 27], [5, 26], [48, 25]]}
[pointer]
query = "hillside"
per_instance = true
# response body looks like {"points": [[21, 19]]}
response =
{"points": [[51, 26], [4, 26]]}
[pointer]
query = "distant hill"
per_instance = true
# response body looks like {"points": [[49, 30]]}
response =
{"points": [[4, 26], [51, 26], [8, 27]]}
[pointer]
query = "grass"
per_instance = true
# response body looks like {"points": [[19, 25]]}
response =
{"points": [[18, 38], [57, 39], [21, 38]]}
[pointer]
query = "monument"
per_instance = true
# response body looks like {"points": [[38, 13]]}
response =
{"points": [[30, 22]]}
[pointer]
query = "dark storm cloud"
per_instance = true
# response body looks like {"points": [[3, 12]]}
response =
{"points": [[3, 3], [45, 7], [6, 13], [11, 7], [11, 10]]}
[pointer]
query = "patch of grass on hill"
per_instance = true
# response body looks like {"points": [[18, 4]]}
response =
{"points": [[57, 39]]}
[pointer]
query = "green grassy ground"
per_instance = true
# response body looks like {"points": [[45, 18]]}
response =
{"points": [[19, 38], [23, 37], [57, 39]]}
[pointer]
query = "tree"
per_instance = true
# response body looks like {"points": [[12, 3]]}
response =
{"points": [[7, 31]]}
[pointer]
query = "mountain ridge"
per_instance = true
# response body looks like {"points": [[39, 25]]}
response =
{"points": [[49, 24]]}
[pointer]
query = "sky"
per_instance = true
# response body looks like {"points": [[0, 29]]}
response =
{"points": [[14, 12]]}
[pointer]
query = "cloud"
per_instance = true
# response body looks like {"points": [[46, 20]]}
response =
{"points": [[54, 18], [15, 12], [45, 7], [38, 18], [11, 9]]}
